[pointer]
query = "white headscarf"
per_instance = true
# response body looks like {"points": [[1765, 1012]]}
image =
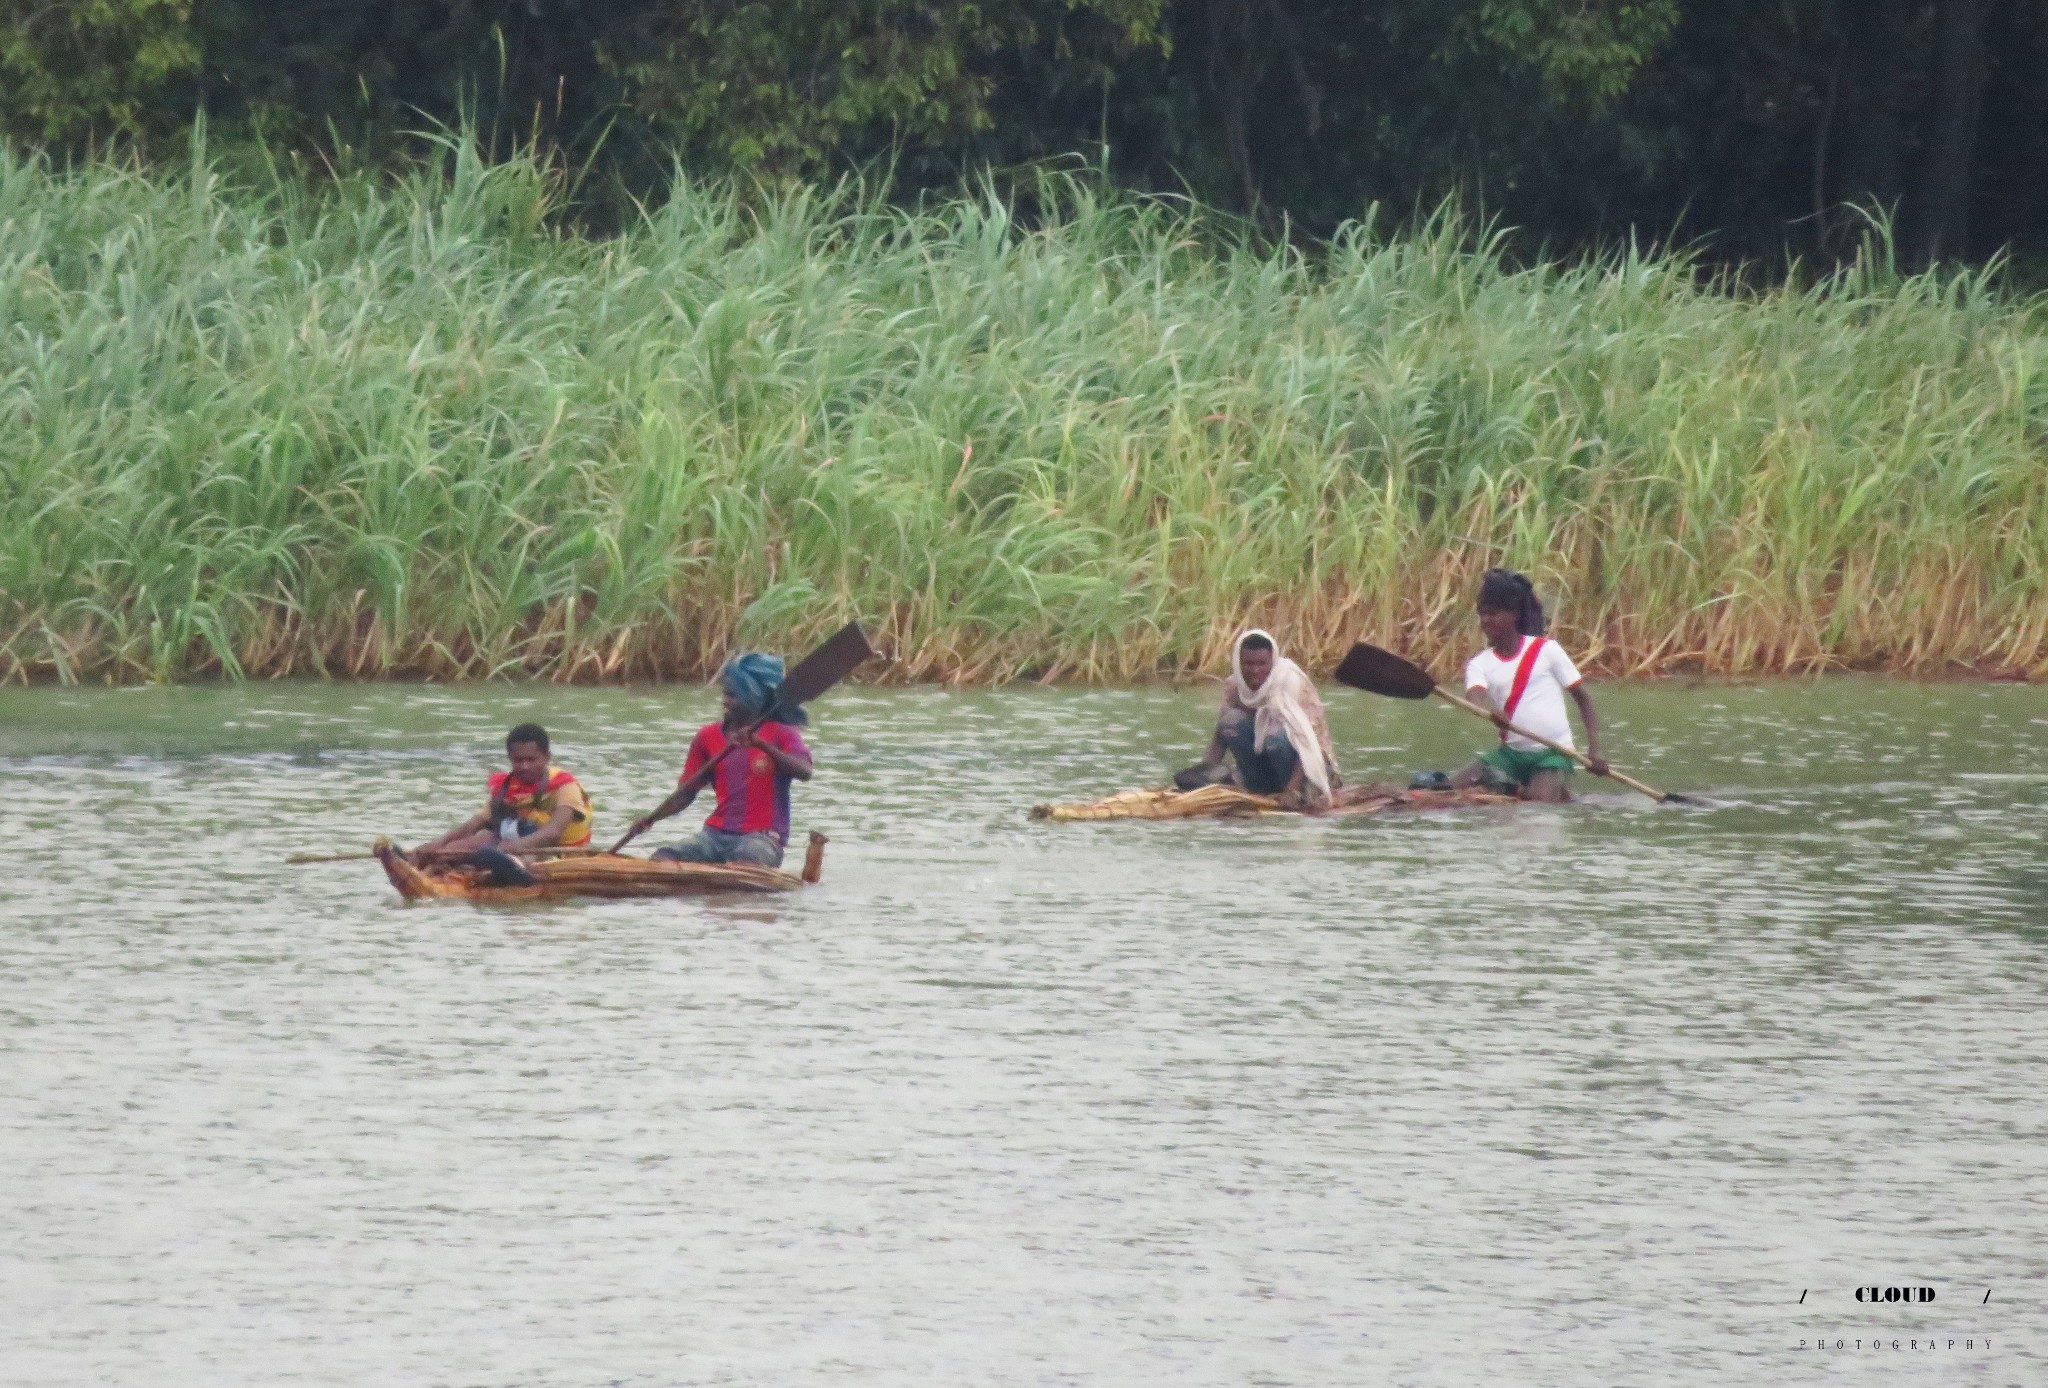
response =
{"points": [[1286, 703]]}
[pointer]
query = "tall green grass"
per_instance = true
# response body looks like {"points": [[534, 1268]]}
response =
{"points": [[410, 426]]}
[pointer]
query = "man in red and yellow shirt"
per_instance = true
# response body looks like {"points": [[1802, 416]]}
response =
{"points": [[533, 806], [754, 763]]}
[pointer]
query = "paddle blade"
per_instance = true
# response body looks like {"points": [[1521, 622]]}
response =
{"points": [[1382, 672], [824, 667]]}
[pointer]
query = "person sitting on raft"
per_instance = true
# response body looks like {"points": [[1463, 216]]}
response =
{"points": [[1272, 725], [750, 823], [533, 806], [1522, 677]]}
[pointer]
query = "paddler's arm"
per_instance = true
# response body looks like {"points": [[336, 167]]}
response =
{"points": [[547, 836], [1594, 761], [1479, 694], [480, 820], [678, 800], [1213, 754], [790, 763]]}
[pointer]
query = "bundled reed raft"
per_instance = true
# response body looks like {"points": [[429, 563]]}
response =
{"points": [[1228, 802], [603, 875]]}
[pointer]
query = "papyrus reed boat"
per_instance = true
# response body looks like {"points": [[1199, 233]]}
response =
{"points": [[598, 875], [1228, 802]]}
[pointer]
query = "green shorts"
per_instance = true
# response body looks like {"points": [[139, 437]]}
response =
{"points": [[1521, 766]]}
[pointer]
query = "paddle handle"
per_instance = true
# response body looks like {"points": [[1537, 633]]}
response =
{"points": [[691, 788], [300, 858], [1477, 712]]}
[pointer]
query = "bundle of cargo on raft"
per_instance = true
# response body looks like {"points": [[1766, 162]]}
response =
{"points": [[602, 875], [1228, 802]]}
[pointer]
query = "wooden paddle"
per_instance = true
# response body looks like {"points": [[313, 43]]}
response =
{"points": [[843, 652], [1376, 671], [298, 858]]}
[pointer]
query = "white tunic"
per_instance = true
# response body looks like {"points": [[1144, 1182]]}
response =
{"points": [[1542, 706]]}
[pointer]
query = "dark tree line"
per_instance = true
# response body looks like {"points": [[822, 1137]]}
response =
{"points": [[1761, 124]]}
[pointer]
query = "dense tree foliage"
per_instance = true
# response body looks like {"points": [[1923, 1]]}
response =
{"points": [[68, 71], [1761, 123]]}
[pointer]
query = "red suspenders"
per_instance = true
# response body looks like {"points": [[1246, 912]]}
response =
{"points": [[1521, 684]]}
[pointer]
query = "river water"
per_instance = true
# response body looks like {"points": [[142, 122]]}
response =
{"points": [[1593, 1094]]}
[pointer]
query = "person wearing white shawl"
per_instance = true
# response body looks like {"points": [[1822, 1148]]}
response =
{"points": [[1272, 725]]}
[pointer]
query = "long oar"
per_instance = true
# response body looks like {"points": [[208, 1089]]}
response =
{"points": [[1376, 671], [842, 652], [298, 858]]}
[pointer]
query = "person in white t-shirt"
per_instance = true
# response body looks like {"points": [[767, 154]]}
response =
{"points": [[1522, 677]]}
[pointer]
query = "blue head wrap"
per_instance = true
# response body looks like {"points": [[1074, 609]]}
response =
{"points": [[754, 678]]}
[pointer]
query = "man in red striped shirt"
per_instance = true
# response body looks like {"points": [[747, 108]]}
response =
{"points": [[755, 761]]}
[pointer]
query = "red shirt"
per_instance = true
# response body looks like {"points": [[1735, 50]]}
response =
{"points": [[753, 792]]}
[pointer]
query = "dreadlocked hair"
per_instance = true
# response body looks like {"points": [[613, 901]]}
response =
{"points": [[1504, 590]]}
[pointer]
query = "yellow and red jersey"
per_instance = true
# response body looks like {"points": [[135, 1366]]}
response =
{"points": [[533, 804]]}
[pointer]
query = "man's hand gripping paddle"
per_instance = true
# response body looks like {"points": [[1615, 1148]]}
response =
{"points": [[1376, 671], [843, 652]]}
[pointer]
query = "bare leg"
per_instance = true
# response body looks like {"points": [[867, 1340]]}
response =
{"points": [[1295, 792], [1469, 777], [1548, 786]]}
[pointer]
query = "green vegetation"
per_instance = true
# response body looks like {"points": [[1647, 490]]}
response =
{"points": [[410, 427], [1755, 125]]}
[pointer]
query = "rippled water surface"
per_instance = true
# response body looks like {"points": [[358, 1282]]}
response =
{"points": [[1577, 1095]]}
